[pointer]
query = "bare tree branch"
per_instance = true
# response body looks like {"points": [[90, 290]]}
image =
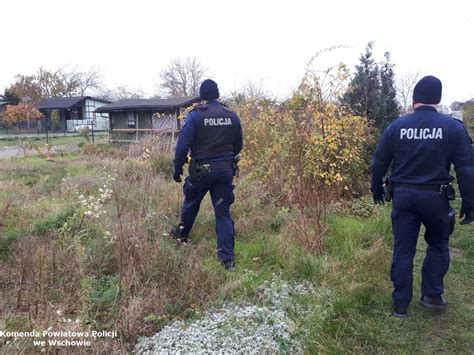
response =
{"points": [[120, 93], [182, 77], [405, 85]]}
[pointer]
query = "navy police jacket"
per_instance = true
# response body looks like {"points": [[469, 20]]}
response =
{"points": [[212, 132], [420, 147]]}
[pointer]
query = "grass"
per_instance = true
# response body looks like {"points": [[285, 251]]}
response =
{"points": [[359, 306], [119, 271], [55, 140]]}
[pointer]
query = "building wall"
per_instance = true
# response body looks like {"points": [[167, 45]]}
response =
{"points": [[101, 122], [61, 125], [144, 120], [120, 120]]}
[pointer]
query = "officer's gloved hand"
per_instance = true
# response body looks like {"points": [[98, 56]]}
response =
{"points": [[468, 217], [378, 199], [177, 175]]}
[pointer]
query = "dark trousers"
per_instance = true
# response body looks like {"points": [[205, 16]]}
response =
{"points": [[219, 184], [411, 208]]}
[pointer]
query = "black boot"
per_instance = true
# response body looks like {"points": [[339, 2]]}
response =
{"points": [[229, 265], [176, 234], [399, 312], [434, 302]]}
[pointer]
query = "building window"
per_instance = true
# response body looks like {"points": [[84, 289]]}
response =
{"points": [[132, 120]]}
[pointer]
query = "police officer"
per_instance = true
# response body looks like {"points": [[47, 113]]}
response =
{"points": [[420, 148], [212, 134]]}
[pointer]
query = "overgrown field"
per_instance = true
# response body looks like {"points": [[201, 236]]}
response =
{"points": [[84, 245], [40, 140]]}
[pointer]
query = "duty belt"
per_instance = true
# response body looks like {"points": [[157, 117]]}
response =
{"points": [[216, 165], [437, 188], [446, 189]]}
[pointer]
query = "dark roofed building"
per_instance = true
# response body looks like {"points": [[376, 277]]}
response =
{"points": [[74, 112], [149, 104], [4, 103], [131, 119], [3, 106]]}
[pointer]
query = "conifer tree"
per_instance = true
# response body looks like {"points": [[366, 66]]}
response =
{"points": [[389, 107], [363, 94]]}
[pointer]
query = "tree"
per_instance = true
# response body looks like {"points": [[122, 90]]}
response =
{"points": [[46, 83], [182, 77], [21, 112], [363, 93], [55, 83], [120, 93], [456, 106], [250, 91], [81, 81], [467, 112], [405, 85], [372, 92], [10, 97], [389, 107], [27, 89], [468, 116], [89, 80]]}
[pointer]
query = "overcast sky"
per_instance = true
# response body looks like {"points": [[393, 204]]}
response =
{"points": [[262, 41]]}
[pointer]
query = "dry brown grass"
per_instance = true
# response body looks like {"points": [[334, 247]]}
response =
{"points": [[111, 272], [147, 263], [120, 271]]}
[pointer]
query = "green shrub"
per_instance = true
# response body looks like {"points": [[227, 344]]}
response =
{"points": [[7, 238], [280, 219], [54, 222], [162, 164], [363, 207], [175, 309], [101, 300], [157, 321], [98, 253], [308, 267]]}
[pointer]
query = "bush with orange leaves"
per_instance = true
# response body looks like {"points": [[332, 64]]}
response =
{"points": [[306, 140], [21, 112], [307, 150]]}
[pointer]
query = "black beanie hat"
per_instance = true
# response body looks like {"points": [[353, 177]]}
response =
{"points": [[209, 90], [427, 91]]}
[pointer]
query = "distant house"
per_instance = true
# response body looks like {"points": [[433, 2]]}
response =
{"points": [[132, 119], [3, 105], [70, 114]]}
